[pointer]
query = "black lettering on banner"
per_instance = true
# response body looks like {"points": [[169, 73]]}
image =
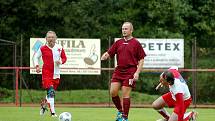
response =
{"points": [[151, 46], [176, 46], [167, 46], [143, 45], [161, 46], [71, 43]]}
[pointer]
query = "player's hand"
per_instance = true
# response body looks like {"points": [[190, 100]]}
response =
{"points": [[164, 82], [105, 56], [58, 62], [38, 69], [136, 76], [161, 80]]}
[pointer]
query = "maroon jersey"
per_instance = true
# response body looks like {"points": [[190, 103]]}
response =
{"points": [[128, 52]]}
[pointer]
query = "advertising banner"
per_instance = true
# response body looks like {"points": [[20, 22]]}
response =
{"points": [[81, 53]]}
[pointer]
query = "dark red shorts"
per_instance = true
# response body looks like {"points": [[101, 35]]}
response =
{"points": [[52, 82], [171, 102], [125, 77]]}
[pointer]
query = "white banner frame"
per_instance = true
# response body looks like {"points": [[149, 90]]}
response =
{"points": [[162, 53], [81, 53]]}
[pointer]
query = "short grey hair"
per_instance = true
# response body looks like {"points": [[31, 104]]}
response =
{"points": [[127, 22], [52, 32]]}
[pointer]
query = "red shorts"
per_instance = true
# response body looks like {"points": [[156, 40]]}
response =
{"points": [[171, 102], [52, 82], [125, 77]]}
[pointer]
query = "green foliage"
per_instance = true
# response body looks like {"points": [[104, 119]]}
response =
{"points": [[205, 80], [205, 23], [5, 93], [205, 85]]}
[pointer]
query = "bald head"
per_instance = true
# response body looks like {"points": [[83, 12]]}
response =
{"points": [[129, 24], [127, 29]]}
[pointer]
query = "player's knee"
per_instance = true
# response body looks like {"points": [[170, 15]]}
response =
{"points": [[113, 93], [51, 92], [155, 105]]}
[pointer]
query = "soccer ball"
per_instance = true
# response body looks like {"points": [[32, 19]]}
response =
{"points": [[65, 116]]}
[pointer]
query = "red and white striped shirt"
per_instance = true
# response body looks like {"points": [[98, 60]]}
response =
{"points": [[50, 69], [179, 85]]}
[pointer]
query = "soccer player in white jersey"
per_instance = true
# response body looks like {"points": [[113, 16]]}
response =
{"points": [[178, 97], [53, 56]]}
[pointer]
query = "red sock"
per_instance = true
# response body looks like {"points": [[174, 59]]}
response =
{"points": [[117, 103], [126, 107]]}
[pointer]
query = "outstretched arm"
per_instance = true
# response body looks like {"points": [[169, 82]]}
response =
{"points": [[105, 56]]}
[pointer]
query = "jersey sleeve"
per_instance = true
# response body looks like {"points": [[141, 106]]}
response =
{"points": [[37, 56], [113, 50], [140, 52], [63, 56]]}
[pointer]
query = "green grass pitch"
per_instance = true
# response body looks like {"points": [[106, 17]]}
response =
{"points": [[90, 114]]}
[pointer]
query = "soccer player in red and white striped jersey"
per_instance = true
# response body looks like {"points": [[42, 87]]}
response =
{"points": [[178, 97], [53, 56]]}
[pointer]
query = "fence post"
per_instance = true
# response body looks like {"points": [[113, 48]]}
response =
{"points": [[109, 72], [17, 85], [194, 72]]}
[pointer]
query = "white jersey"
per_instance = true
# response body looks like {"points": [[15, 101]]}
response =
{"points": [[179, 86]]}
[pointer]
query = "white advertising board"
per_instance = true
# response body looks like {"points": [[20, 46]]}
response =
{"points": [[81, 53], [162, 53]]}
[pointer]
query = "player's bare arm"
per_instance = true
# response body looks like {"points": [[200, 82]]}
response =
{"points": [[139, 68], [105, 56]]}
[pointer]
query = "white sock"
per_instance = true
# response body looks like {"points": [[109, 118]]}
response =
{"points": [[51, 103]]}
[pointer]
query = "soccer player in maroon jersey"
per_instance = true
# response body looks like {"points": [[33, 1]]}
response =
{"points": [[130, 58], [53, 56]]}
